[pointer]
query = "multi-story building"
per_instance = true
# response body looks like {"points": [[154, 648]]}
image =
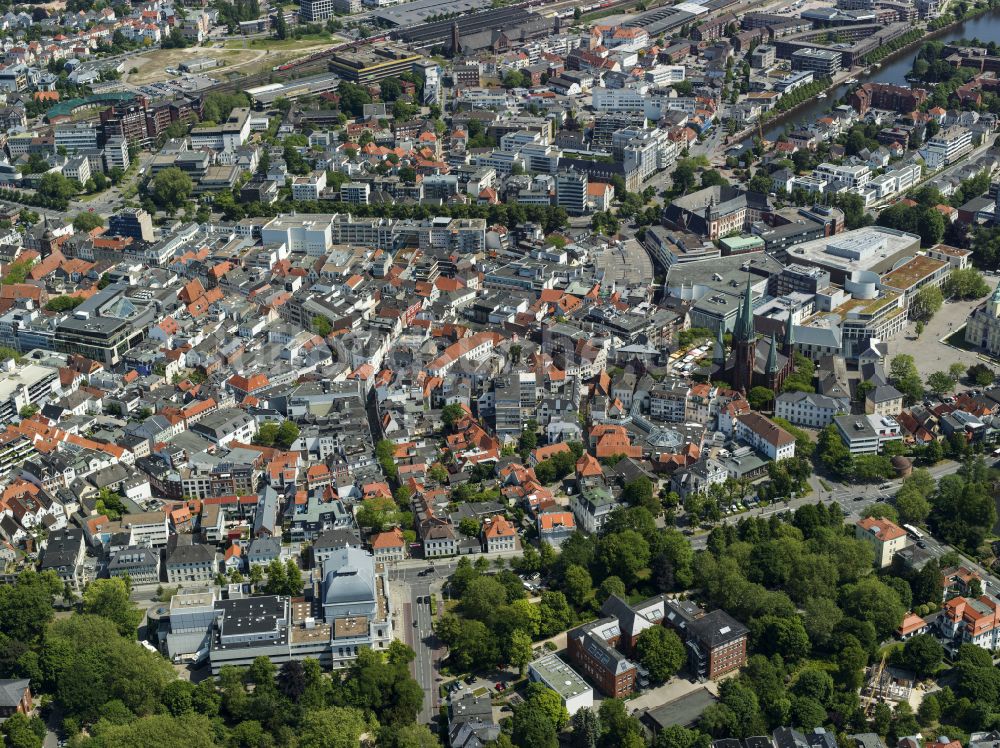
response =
{"points": [[824, 63], [140, 565], [855, 176], [573, 691], [810, 409], [867, 434], [983, 328], [571, 192], [717, 644], [309, 187], [499, 535], [147, 529], [592, 647], [24, 385], [78, 168], [972, 620], [191, 563], [77, 136], [355, 193], [885, 537], [947, 146], [354, 613], [764, 435], [225, 136], [592, 506]]}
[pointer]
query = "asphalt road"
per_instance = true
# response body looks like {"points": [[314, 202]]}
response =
{"points": [[429, 651], [845, 495]]}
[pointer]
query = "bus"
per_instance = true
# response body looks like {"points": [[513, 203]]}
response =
{"points": [[913, 532]]}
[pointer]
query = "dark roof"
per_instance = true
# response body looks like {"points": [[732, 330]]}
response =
{"points": [[12, 691], [716, 628], [684, 711], [191, 554]]}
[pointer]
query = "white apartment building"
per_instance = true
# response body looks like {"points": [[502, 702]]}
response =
{"points": [[226, 136], [855, 176], [147, 528], [947, 146], [309, 187], [78, 168], [886, 538], [764, 436], [355, 193], [665, 75], [809, 409], [78, 136]]}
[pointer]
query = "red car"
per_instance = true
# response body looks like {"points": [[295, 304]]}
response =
{"points": [[500, 687]]}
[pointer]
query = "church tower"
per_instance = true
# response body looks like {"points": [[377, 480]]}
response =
{"points": [[771, 369], [744, 343], [789, 344]]}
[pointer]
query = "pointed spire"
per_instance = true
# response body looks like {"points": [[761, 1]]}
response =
{"points": [[772, 356], [743, 329], [789, 335], [720, 347]]}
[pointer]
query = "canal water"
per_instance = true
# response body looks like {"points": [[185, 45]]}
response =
{"points": [[985, 28]]}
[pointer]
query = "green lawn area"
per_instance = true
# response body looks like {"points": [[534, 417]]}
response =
{"points": [[278, 44], [957, 339]]}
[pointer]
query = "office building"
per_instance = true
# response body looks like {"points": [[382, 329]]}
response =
{"points": [[374, 64], [132, 222], [571, 192], [573, 690], [824, 63], [24, 385]]}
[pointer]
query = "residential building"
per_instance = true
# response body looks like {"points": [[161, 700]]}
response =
{"points": [[885, 537], [810, 409], [972, 620], [947, 146], [764, 435], [499, 535], [191, 563], [140, 564], [132, 222]]}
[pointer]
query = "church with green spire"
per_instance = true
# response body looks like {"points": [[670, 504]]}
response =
{"points": [[754, 361]]}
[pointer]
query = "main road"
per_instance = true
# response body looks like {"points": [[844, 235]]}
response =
{"points": [[854, 499]]}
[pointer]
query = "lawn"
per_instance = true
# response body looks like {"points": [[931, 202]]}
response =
{"points": [[276, 45]]}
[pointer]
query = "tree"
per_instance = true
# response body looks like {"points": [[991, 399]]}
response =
{"points": [[87, 221], [661, 652], [578, 586], [451, 414], [334, 727], [981, 375], [469, 527], [171, 189], [109, 598], [967, 283], [905, 377], [22, 731], [926, 303], [533, 727], [519, 650], [940, 383], [922, 654], [543, 698], [760, 397], [872, 600], [56, 186], [586, 728], [639, 492]]}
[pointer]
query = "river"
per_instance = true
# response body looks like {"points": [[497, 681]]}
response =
{"points": [[985, 27]]}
